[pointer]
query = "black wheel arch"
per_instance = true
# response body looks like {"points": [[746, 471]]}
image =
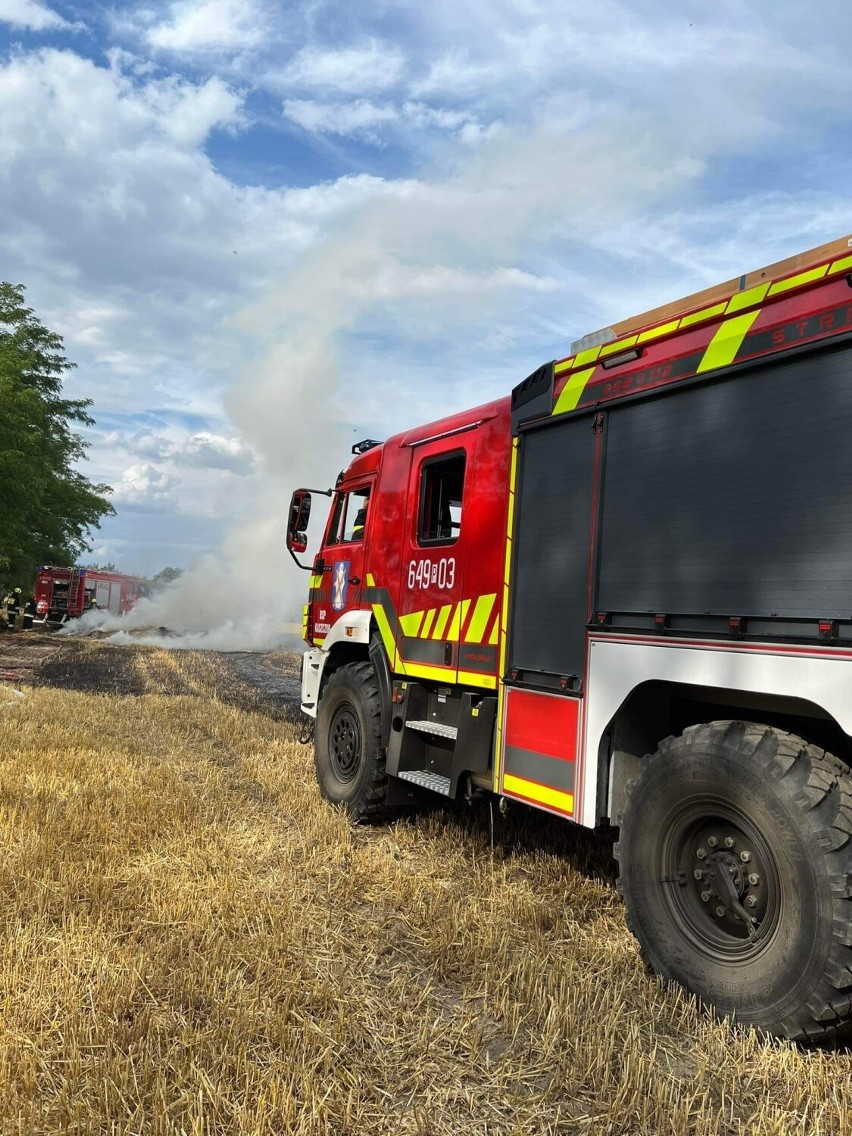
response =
{"points": [[654, 711]]}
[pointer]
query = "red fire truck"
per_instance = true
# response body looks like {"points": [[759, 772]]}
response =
{"points": [[624, 593], [65, 593]]}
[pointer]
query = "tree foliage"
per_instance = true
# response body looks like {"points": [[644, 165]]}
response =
{"points": [[166, 576], [47, 507]]}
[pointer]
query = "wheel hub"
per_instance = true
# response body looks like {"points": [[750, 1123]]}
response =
{"points": [[727, 894], [345, 743]]}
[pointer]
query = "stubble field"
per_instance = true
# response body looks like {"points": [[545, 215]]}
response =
{"points": [[193, 942]]}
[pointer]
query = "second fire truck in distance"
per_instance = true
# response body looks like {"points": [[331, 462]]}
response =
{"points": [[624, 592], [66, 593]]}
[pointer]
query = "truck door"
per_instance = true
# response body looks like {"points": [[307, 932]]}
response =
{"points": [[341, 560], [436, 544]]}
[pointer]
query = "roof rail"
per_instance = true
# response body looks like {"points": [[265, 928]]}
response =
{"points": [[721, 291]]}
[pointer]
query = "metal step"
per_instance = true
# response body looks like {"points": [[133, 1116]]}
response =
{"points": [[433, 781], [437, 728]]}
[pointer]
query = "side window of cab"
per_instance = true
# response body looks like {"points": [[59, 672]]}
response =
{"points": [[349, 518], [441, 494]]}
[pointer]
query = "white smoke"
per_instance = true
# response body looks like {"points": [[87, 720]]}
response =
{"points": [[422, 263], [242, 597]]}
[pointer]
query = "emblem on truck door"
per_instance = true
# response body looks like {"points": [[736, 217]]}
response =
{"points": [[339, 581]]}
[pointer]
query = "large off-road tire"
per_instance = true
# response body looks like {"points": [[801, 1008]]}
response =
{"points": [[736, 865], [348, 752]]}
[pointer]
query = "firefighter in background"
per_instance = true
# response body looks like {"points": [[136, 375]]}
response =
{"points": [[29, 613], [12, 604]]}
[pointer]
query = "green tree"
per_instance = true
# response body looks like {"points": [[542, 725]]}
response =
{"points": [[47, 507], [164, 577]]}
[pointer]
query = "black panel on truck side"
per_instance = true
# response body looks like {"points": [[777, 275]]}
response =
{"points": [[553, 521], [735, 497]]}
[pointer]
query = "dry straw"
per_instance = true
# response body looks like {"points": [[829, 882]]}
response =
{"points": [[193, 942]]}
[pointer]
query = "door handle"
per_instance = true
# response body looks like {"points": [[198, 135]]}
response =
{"points": [[354, 579]]}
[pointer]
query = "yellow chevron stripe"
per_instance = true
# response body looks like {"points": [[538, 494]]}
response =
{"points": [[747, 299], [658, 332], [396, 663], [798, 280], [587, 356], [454, 630], [427, 623], [565, 365], [495, 631], [441, 621], [479, 619], [572, 391], [618, 345], [704, 314], [842, 265], [543, 794], [726, 342], [410, 624]]}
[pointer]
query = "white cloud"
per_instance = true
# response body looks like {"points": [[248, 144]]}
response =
{"points": [[368, 66], [145, 488], [33, 15], [131, 243], [201, 27], [212, 451], [359, 117], [365, 119]]}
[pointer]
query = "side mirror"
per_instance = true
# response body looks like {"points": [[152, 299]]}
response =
{"points": [[297, 521]]}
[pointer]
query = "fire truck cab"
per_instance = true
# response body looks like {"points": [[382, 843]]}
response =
{"points": [[624, 593]]}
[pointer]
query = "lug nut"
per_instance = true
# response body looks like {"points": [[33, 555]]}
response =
{"points": [[720, 911], [712, 841], [699, 875], [753, 879], [751, 901], [729, 841], [701, 854], [745, 857], [705, 895]]}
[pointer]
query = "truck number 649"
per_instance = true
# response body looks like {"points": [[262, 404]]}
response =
{"points": [[432, 574]]}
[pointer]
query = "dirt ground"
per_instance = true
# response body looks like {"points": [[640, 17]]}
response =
{"points": [[23, 654], [251, 680]]}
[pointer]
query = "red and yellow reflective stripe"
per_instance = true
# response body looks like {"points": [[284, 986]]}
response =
{"points": [[722, 348], [542, 794]]}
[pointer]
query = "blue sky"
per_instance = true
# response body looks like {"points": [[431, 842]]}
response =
{"points": [[268, 229]]}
